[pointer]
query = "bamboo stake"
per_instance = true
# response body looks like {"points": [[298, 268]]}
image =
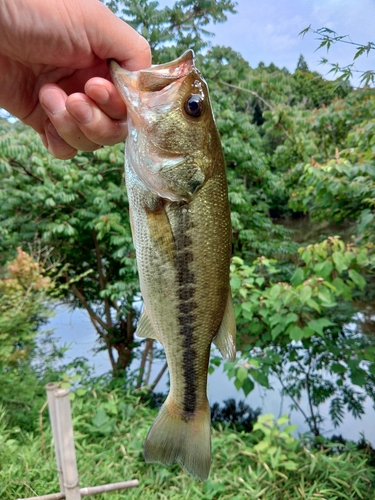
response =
{"points": [[91, 490], [62, 430], [66, 440], [50, 388]]}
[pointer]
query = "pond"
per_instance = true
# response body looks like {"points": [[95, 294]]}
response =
{"points": [[75, 328], [306, 231]]}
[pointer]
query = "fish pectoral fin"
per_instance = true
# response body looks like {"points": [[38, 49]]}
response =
{"points": [[225, 339], [160, 231], [145, 328]]}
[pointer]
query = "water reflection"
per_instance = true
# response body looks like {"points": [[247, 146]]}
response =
{"points": [[306, 231], [74, 328]]}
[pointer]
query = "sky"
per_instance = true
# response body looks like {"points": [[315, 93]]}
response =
{"points": [[268, 31]]}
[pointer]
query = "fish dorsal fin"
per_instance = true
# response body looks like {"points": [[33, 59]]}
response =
{"points": [[225, 339], [145, 328]]}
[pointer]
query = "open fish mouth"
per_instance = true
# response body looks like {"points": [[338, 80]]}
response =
{"points": [[155, 78]]}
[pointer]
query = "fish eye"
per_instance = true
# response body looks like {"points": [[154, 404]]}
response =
{"points": [[194, 105]]}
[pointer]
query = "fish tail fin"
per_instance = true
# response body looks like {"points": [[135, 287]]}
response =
{"points": [[174, 436]]}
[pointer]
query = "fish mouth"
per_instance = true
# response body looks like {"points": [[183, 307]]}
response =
{"points": [[154, 79]]}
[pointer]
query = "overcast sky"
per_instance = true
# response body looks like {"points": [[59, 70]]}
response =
{"points": [[268, 31]]}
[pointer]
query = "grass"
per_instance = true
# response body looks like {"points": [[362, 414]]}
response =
{"points": [[110, 429]]}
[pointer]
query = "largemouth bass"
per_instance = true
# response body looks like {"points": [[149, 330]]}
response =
{"points": [[177, 190]]}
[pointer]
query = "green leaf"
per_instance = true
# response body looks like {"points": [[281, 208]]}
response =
{"points": [[235, 282], [259, 281], [305, 294], [318, 324], [338, 368], [295, 333], [298, 277], [275, 332], [324, 269], [339, 261], [247, 386], [365, 219], [358, 377], [237, 384], [102, 421], [357, 279], [291, 318], [241, 374], [314, 305], [284, 419], [307, 332]]}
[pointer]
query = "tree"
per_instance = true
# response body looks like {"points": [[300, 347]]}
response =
{"points": [[79, 209], [302, 64]]}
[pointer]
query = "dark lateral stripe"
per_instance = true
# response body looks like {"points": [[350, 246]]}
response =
{"points": [[186, 305]]}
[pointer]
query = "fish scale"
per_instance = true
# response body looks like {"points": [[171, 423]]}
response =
{"points": [[177, 190]]}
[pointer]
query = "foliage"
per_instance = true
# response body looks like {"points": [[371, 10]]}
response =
{"points": [[328, 37], [269, 464], [312, 89], [293, 330], [340, 186], [23, 307], [79, 209]]}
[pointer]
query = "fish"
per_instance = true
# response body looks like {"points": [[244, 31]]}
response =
{"points": [[181, 227]]}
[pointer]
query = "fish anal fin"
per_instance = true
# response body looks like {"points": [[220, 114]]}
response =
{"points": [[175, 437], [225, 339], [145, 328]]}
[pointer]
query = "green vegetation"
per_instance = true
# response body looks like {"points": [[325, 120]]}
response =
{"points": [[296, 147], [269, 463]]}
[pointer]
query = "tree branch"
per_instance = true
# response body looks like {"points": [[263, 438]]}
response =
{"points": [[93, 316], [252, 92], [157, 380], [150, 359], [102, 281], [143, 362]]}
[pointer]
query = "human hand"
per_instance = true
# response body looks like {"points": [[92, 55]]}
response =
{"points": [[54, 75]]}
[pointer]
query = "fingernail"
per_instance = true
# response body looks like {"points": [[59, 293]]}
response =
{"points": [[53, 100], [81, 111]]}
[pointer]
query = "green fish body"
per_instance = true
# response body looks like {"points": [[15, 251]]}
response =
{"points": [[177, 190]]}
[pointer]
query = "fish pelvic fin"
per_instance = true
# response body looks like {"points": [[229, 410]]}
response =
{"points": [[179, 437], [225, 339]]}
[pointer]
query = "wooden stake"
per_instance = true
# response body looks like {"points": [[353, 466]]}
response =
{"points": [[66, 441], [92, 490], [50, 388], [62, 431]]}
